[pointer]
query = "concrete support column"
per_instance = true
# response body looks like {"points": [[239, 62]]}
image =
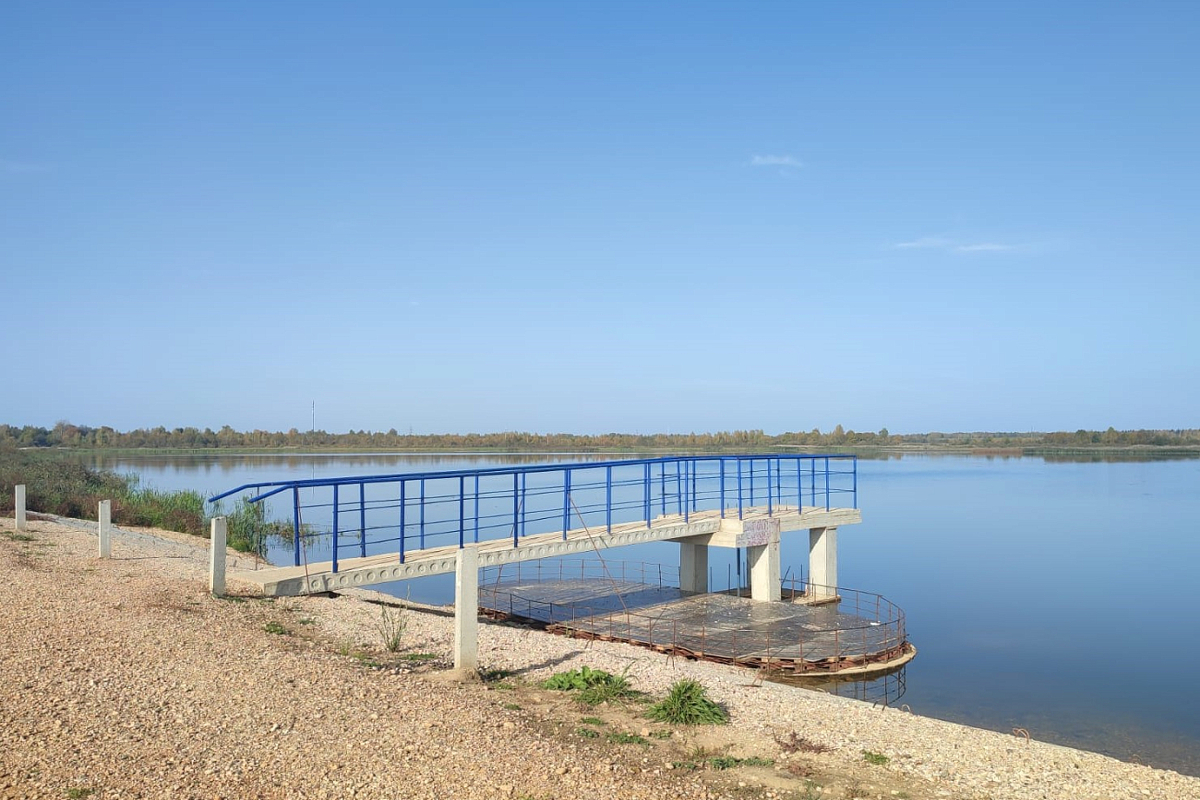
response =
{"points": [[466, 611], [693, 567], [104, 515], [216, 557], [19, 502], [766, 584], [822, 562]]}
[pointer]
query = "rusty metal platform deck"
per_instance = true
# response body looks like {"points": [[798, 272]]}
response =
{"points": [[858, 631]]}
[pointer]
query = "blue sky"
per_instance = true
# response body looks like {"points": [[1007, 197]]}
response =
{"points": [[598, 217]]}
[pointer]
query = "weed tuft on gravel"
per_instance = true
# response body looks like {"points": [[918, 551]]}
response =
{"points": [[594, 686], [687, 703], [391, 626]]}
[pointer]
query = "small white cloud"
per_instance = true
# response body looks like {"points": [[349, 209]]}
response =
{"points": [[776, 161], [986, 247], [925, 242], [950, 245]]}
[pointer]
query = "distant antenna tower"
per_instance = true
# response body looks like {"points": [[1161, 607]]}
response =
{"points": [[314, 425]]}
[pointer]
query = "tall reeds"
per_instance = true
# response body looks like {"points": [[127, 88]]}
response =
{"points": [[66, 489]]}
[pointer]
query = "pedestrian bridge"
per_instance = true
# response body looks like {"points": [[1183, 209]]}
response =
{"points": [[361, 530]]}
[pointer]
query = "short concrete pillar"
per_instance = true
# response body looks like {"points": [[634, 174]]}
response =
{"points": [[693, 567], [822, 562], [19, 503], [466, 611], [104, 515], [216, 557], [766, 584]]}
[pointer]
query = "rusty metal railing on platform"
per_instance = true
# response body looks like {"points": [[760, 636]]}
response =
{"points": [[818, 630]]}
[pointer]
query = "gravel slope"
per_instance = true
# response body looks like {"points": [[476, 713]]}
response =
{"points": [[123, 677]]}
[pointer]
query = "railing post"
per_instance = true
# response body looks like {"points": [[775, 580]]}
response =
{"points": [[403, 508], [104, 519], [779, 481], [362, 518], [685, 500], [769, 508], [19, 503], [516, 511], [739, 463], [476, 508], [854, 471], [826, 483], [608, 497], [646, 488], [296, 521], [216, 557], [462, 502], [722, 479], [335, 528], [524, 508], [694, 465], [679, 486], [566, 501], [752, 483], [662, 492], [812, 478], [799, 485], [421, 529]]}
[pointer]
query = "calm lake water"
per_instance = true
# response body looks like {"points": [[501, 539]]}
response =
{"points": [[1057, 596]]}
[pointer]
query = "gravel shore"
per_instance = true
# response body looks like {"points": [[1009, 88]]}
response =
{"points": [[124, 678]]}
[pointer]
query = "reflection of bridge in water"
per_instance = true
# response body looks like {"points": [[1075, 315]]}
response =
{"points": [[380, 528]]}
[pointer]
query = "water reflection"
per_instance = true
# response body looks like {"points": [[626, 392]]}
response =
{"points": [[885, 689]]}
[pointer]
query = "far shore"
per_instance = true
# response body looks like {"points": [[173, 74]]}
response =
{"points": [[867, 451]]}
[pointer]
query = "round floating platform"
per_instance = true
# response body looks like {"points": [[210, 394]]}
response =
{"points": [[855, 634]]}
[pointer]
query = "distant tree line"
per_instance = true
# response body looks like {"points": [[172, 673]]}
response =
{"points": [[65, 434]]}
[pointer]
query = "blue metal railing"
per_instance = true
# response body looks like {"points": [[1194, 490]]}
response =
{"points": [[420, 510]]}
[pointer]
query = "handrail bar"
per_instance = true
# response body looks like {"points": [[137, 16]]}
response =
{"points": [[280, 486]]}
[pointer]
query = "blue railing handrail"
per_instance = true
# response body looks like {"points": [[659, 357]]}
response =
{"points": [[480, 504], [283, 486]]}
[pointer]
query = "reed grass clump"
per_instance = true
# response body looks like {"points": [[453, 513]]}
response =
{"points": [[66, 489]]}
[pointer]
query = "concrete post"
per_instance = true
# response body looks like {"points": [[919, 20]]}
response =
{"points": [[766, 584], [216, 557], [822, 562], [19, 502], [693, 567], [104, 515], [466, 611]]}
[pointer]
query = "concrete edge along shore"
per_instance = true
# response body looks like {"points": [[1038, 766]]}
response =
{"points": [[123, 677]]}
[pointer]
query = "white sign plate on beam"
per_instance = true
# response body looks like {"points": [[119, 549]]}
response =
{"points": [[758, 532]]}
